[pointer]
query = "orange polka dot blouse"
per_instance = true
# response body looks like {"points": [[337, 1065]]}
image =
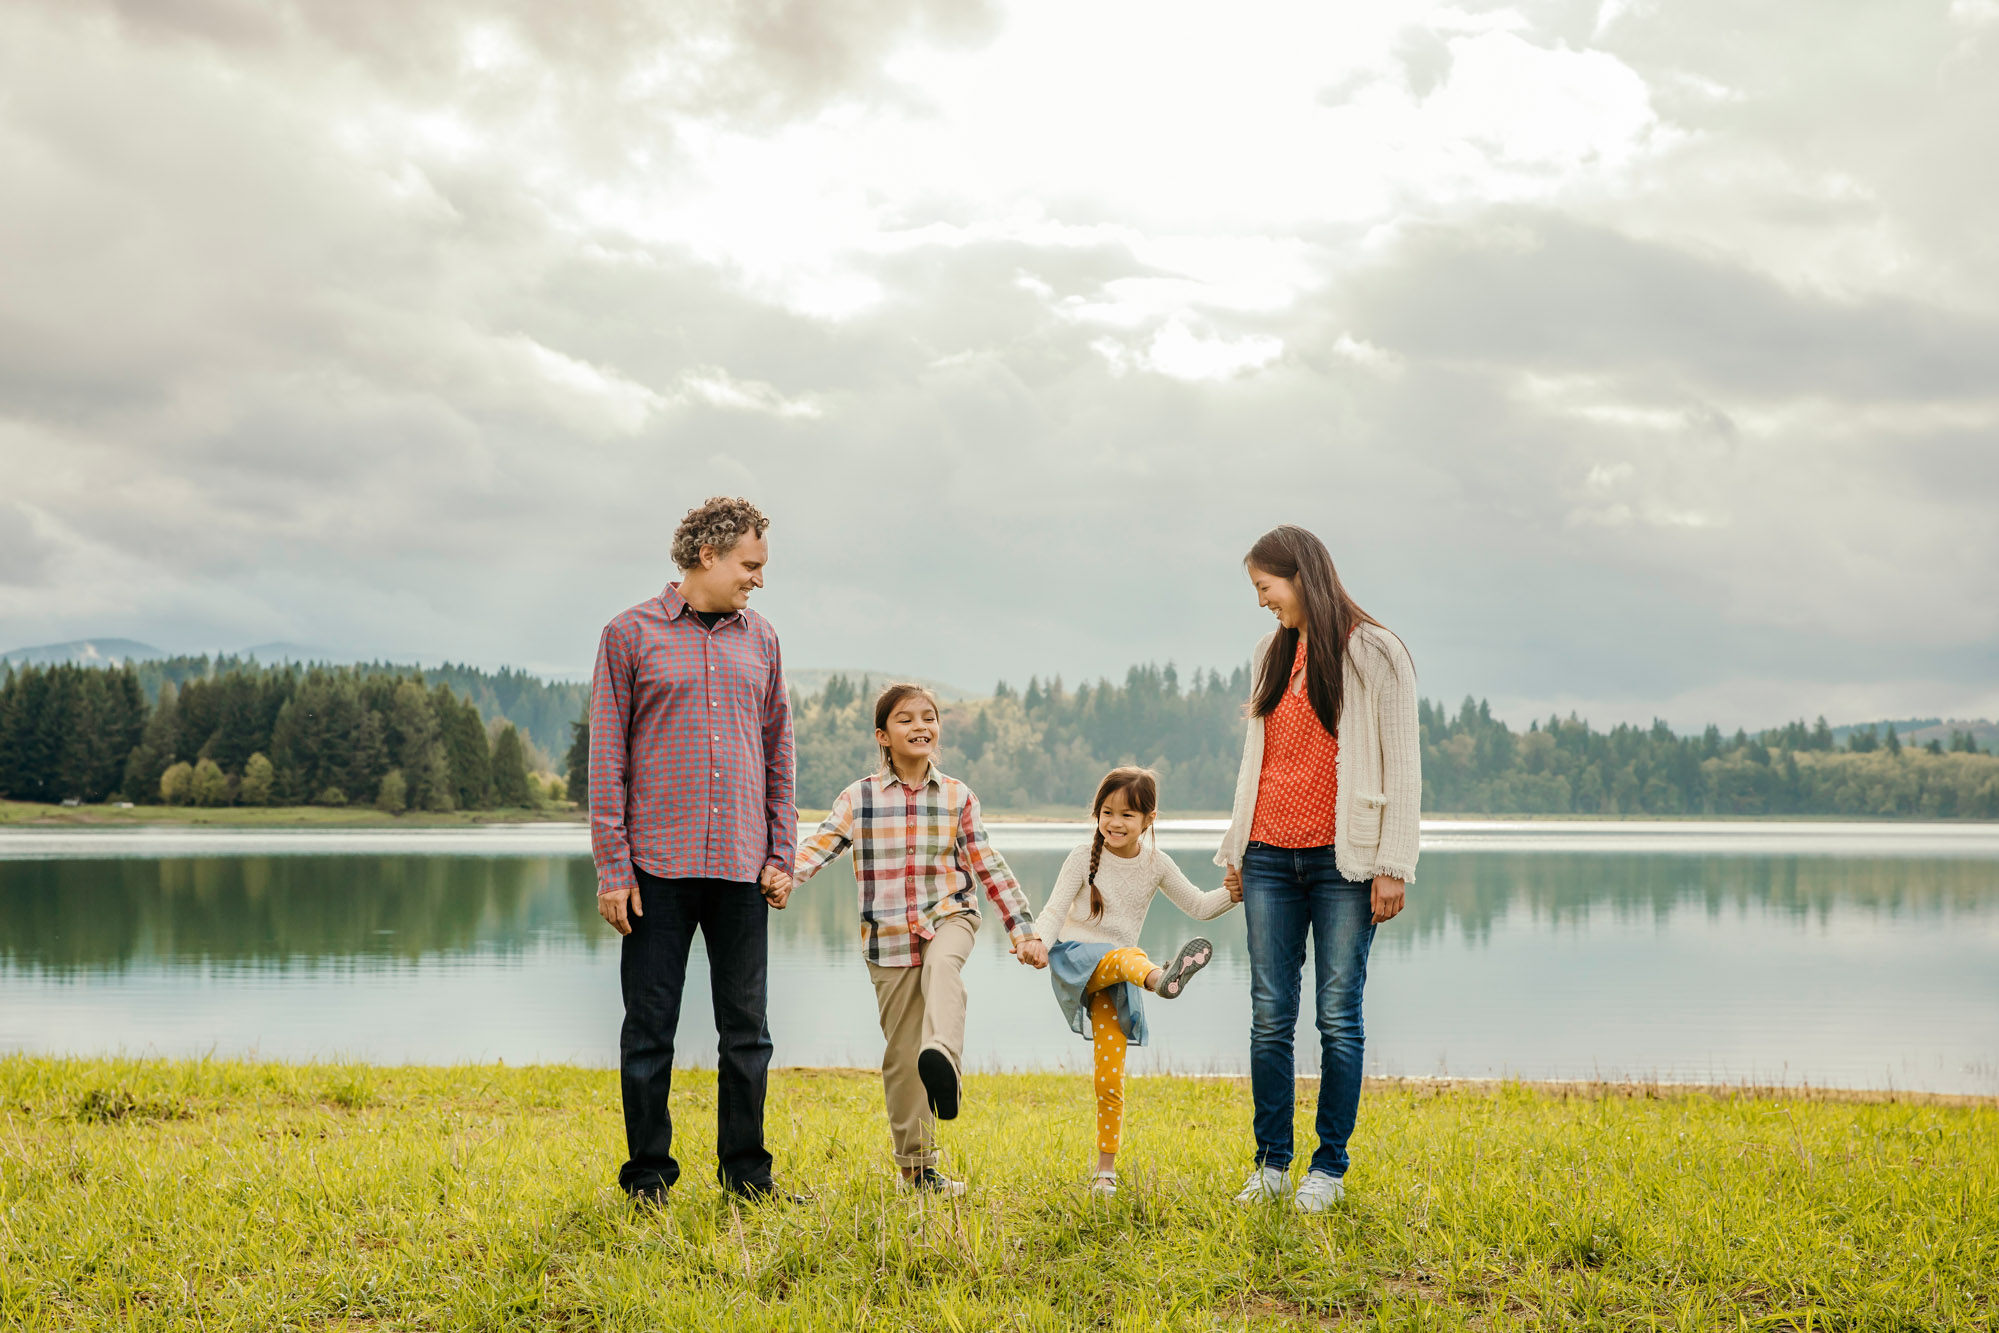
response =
{"points": [[1300, 777]]}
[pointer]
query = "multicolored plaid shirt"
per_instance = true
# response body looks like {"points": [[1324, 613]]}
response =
{"points": [[916, 851], [691, 771]]}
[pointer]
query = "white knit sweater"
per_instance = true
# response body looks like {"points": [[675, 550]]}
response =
{"points": [[1378, 807], [1127, 885]]}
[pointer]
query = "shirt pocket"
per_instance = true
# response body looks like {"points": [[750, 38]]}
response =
{"points": [[1366, 819]]}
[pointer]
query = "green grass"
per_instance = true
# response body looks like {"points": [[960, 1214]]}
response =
{"points": [[215, 1195], [28, 814]]}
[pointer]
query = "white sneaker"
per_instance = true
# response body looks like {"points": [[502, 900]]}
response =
{"points": [[1103, 1185], [1319, 1192], [1266, 1184]]}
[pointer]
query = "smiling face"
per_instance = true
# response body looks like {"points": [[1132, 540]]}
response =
{"points": [[910, 733], [725, 579], [1121, 823], [1280, 597]]}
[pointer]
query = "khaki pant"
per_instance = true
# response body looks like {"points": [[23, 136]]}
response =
{"points": [[922, 1008]]}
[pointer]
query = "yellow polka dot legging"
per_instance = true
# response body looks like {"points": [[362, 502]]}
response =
{"points": [[1118, 965]]}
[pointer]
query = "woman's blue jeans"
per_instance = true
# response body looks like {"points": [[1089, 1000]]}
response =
{"points": [[1287, 894]]}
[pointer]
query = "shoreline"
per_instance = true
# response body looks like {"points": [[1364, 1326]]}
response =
{"points": [[80, 819]]}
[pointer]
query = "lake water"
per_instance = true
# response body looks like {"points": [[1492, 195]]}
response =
{"points": [[1835, 955]]}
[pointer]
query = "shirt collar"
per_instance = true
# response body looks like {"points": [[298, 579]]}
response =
{"points": [[676, 605], [885, 777]]}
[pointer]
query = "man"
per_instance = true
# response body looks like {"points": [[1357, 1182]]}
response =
{"points": [[691, 810]]}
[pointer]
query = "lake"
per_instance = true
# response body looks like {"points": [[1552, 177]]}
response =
{"points": [[1830, 954]]}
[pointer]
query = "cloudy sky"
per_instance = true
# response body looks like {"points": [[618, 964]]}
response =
{"points": [[1634, 358]]}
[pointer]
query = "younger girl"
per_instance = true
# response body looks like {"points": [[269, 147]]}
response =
{"points": [[1091, 927]]}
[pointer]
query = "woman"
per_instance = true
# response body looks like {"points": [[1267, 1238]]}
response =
{"points": [[1321, 841]]}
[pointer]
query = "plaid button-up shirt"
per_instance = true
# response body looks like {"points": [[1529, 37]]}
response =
{"points": [[916, 853], [691, 773]]}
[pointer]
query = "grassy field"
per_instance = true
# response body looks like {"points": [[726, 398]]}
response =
{"points": [[30, 814], [215, 1195]]}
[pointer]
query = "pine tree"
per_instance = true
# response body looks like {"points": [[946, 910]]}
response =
{"points": [[578, 763], [418, 749], [369, 763], [155, 750], [393, 793], [510, 769], [465, 750]]}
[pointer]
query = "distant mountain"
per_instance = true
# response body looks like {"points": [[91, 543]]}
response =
{"points": [[811, 680], [281, 650], [89, 652]]}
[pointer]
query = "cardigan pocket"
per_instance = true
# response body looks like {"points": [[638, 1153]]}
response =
{"points": [[1366, 831]]}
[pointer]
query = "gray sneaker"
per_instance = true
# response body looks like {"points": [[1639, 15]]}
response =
{"points": [[1266, 1184], [1319, 1193]]}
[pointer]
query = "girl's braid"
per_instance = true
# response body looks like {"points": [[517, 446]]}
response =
{"points": [[1096, 894]]}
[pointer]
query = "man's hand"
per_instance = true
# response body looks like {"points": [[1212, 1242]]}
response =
{"points": [[1232, 881], [611, 906], [1387, 897], [777, 887], [1031, 952]]}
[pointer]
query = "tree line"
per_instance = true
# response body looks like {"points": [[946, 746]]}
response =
{"points": [[542, 709], [1474, 762], [256, 736], [329, 735], [1044, 748]]}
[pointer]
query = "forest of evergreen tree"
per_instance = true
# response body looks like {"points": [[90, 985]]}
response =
{"points": [[255, 736], [241, 733]]}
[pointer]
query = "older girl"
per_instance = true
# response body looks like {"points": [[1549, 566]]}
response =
{"points": [[1321, 842], [920, 854], [1091, 926]]}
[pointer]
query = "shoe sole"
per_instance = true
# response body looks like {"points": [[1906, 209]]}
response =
{"points": [[940, 1082], [1184, 966]]}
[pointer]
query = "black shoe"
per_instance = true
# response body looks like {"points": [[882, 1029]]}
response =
{"points": [[940, 1081], [932, 1181], [649, 1196], [751, 1193]]}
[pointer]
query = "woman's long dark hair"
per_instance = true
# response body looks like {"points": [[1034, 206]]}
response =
{"points": [[1290, 552]]}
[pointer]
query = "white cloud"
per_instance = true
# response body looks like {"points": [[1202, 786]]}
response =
{"points": [[305, 312]]}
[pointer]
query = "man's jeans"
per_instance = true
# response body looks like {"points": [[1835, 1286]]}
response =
{"points": [[1287, 894], [733, 920]]}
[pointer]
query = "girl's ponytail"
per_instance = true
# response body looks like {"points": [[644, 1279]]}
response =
{"points": [[1141, 788]]}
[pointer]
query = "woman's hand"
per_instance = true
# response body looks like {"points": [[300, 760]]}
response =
{"points": [[1387, 898], [1031, 952], [1232, 881]]}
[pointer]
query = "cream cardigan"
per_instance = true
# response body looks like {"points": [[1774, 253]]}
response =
{"points": [[1378, 806]]}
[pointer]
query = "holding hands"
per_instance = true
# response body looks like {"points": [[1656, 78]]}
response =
{"points": [[1031, 952], [1232, 881], [777, 886]]}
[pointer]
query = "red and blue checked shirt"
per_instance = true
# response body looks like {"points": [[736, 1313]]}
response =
{"points": [[916, 852], [691, 771]]}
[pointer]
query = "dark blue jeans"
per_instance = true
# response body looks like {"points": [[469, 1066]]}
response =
{"points": [[733, 920], [1286, 895]]}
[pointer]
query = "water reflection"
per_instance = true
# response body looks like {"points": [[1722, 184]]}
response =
{"points": [[1862, 970], [67, 916]]}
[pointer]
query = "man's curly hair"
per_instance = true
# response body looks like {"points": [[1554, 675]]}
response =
{"points": [[719, 521]]}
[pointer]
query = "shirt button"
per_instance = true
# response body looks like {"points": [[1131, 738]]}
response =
{"points": [[718, 772]]}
